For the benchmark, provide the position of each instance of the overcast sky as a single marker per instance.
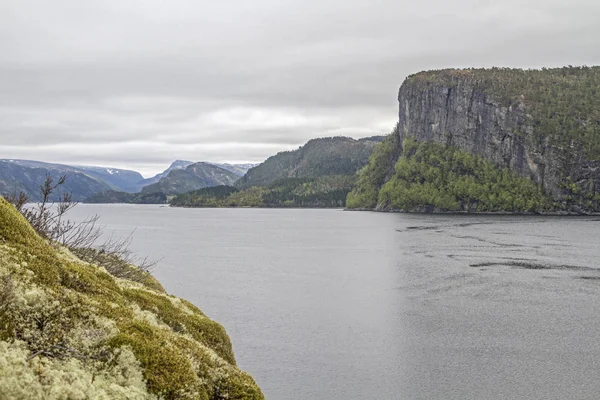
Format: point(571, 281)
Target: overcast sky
point(137, 84)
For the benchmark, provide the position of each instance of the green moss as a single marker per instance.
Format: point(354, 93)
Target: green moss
point(60, 308)
point(168, 372)
point(204, 330)
point(118, 267)
point(16, 232)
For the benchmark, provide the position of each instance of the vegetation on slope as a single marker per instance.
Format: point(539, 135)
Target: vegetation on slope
point(319, 174)
point(327, 191)
point(430, 176)
point(111, 196)
point(563, 103)
point(317, 158)
point(375, 173)
point(68, 329)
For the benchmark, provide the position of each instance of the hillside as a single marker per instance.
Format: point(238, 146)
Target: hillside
point(177, 164)
point(541, 125)
point(111, 196)
point(155, 192)
point(69, 330)
point(15, 178)
point(193, 177)
point(323, 192)
point(238, 169)
point(114, 178)
point(317, 158)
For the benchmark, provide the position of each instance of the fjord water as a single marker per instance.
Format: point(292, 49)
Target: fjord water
point(327, 304)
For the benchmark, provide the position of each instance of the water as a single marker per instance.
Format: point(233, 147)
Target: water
point(327, 304)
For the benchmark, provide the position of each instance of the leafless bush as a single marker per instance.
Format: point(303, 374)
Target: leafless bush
point(49, 220)
point(120, 248)
point(117, 258)
point(18, 200)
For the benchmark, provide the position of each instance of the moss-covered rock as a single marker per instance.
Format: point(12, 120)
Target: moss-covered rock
point(68, 329)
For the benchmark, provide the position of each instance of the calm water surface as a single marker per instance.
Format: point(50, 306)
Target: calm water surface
point(326, 304)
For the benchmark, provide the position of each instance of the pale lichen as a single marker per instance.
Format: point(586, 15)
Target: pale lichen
point(68, 329)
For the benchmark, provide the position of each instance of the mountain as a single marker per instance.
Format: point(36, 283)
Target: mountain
point(114, 178)
point(238, 169)
point(490, 140)
point(193, 177)
point(319, 174)
point(109, 185)
point(118, 179)
point(177, 164)
point(69, 329)
point(317, 158)
point(16, 177)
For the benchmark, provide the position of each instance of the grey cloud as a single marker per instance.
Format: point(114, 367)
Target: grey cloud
point(239, 80)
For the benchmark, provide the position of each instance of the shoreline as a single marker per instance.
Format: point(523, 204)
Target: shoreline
point(392, 211)
point(512, 213)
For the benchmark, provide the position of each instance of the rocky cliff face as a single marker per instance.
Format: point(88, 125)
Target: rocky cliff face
point(460, 110)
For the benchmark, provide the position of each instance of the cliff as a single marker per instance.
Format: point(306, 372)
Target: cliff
point(543, 125)
point(70, 330)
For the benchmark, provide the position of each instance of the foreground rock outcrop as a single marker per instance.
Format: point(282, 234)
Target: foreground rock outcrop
point(69, 330)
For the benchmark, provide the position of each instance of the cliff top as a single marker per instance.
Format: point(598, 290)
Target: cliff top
point(563, 104)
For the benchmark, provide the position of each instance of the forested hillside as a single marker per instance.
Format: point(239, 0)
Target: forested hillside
point(317, 158)
point(323, 192)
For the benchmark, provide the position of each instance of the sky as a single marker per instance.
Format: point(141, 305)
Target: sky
point(139, 83)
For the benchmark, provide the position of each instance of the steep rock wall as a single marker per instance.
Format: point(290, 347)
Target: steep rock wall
point(460, 112)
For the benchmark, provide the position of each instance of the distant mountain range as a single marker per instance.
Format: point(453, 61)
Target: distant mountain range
point(114, 178)
point(15, 178)
point(192, 177)
point(177, 164)
point(319, 174)
point(85, 182)
point(238, 169)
